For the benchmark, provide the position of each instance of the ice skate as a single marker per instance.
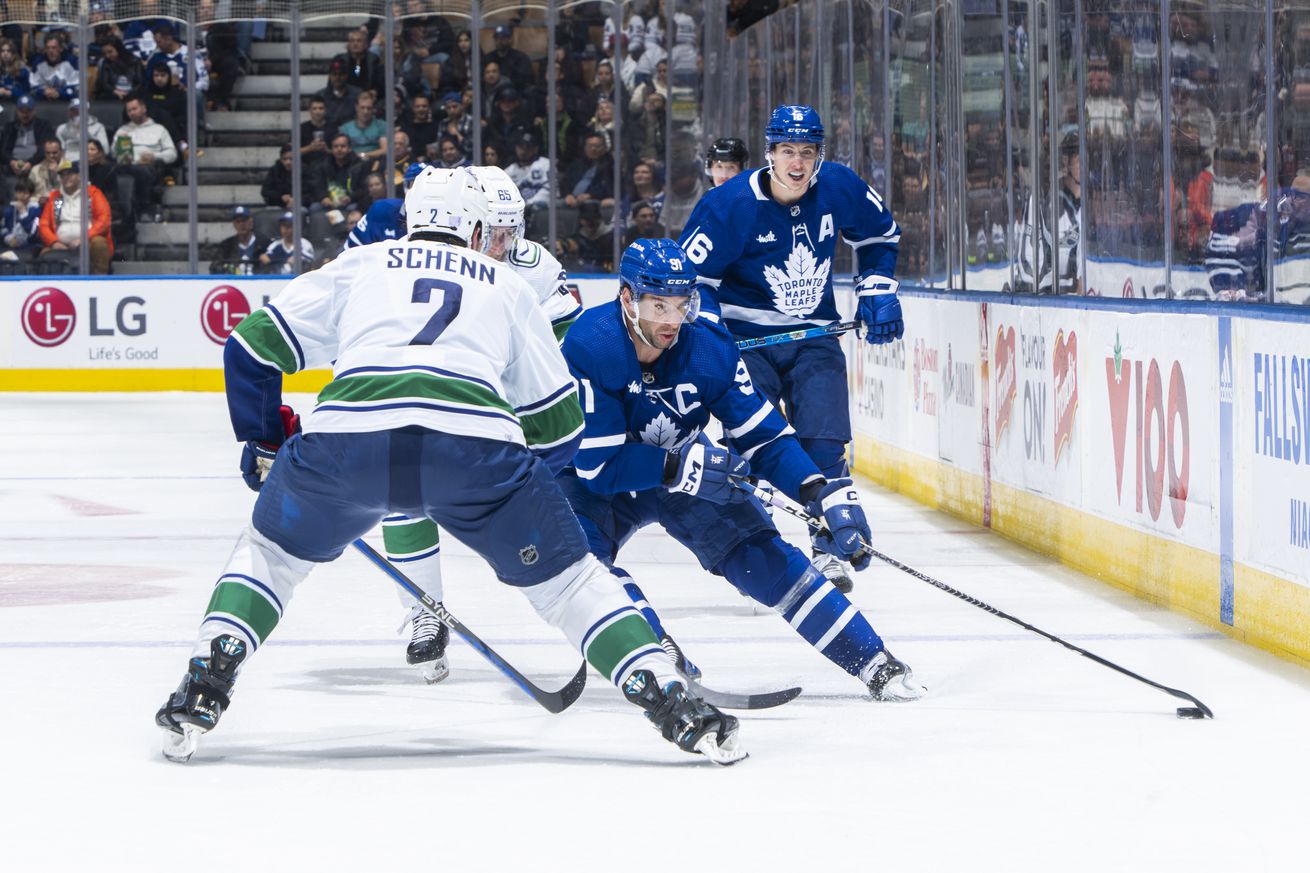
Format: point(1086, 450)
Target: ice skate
point(427, 646)
point(201, 699)
point(890, 680)
point(688, 722)
point(834, 570)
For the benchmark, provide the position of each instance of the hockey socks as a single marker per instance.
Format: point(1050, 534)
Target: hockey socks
point(414, 545)
point(587, 602)
point(828, 621)
point(252, 592)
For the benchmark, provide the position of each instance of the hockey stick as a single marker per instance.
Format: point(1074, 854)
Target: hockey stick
point(555, 701)
point(1199, 710)
point(792, 336)
point(732, 700)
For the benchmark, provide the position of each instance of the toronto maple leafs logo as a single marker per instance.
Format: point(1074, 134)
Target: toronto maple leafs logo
point(798, 289)
point(661, 431)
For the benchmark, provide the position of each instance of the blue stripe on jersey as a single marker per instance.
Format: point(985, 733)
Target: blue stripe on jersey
point(412, 368)
point(290, 334)
point(643, 605)
point(546, 401)
point(380, 407)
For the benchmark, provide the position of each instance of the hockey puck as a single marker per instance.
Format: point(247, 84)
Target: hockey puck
point(1190, 712)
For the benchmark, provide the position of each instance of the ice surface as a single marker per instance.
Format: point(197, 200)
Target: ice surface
point(118, 511)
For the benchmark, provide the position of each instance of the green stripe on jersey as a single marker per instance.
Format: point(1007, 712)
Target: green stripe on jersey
point(561, 328)
point(411, 537)
point(555, 423)
point(248, 604)
point(262, 335)
point(398, 386)
point(617, 642)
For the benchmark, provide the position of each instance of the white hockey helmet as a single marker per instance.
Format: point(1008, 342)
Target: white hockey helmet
point(445, 200)
point(504, 211)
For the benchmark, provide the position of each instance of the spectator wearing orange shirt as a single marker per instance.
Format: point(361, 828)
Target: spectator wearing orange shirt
point(61, 220)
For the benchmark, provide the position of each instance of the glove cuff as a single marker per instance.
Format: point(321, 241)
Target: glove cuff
point(876, 286)
point(672, 466)
point(811, 488)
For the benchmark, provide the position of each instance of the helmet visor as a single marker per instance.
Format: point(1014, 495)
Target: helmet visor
point(662, 309)
point(500, 241)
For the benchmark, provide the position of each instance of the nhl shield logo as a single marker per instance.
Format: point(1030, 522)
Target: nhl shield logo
point(528, 555)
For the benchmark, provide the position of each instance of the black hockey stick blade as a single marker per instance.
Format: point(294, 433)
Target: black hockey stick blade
point(553, 701)
point(731, 700)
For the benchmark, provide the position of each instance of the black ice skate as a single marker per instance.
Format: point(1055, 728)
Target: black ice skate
point(200, 701)
point(833, 569)
point(427, 646)
point(890, 680)
point(687, 722)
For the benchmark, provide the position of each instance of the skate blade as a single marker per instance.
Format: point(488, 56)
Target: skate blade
point(434, 671)
point(179, 747)
point(725, 754)
point(902, 692)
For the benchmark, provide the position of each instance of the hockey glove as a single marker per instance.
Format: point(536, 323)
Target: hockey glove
point(838, 504)
point(257, 456)
point(705, 471)
point(880, 310)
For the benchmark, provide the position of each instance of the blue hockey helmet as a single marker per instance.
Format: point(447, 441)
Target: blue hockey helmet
point(657, 268)
point(794, 124)
point(412, 171)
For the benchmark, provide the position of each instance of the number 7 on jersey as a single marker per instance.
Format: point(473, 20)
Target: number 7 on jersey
point(451, 297)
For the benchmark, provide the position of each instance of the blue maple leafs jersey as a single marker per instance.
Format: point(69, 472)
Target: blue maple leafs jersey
point(769, 266)
point(384, 220)
point(634, 417)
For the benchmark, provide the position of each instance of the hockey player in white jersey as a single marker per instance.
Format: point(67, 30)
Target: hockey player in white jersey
point(415, 543)
point(449, 400)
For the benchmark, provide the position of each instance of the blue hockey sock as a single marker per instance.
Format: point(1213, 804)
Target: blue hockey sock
point(828, 455)
point(639, 600)
point(828, 621)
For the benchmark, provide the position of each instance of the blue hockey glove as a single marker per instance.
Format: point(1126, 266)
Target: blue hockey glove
point(704, 471)
point(838, 504)
point(257, 456)
point(880, 310)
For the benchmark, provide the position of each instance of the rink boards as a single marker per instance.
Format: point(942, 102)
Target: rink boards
point(1163, 451)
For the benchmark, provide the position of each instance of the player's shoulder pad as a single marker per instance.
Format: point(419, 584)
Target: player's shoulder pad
point(596, 345)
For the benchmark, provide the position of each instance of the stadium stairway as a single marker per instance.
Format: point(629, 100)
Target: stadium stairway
point(237, 149)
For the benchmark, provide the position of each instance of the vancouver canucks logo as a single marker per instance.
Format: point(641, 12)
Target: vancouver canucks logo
point(798, 288)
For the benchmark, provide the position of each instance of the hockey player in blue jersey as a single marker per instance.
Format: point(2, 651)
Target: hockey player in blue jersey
point(763, 245)
point(450, 401)
point(385, 219)
point(650, 375)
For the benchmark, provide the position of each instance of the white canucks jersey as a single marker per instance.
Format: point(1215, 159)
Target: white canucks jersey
point(421, 333)
point(546, 277)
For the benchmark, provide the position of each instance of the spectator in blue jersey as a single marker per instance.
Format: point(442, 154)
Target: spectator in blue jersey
point(650, 375)
point(278, 257)
point(20, 238)
point(764, 244)
point(54, 77)
point(15, 78)
point(240, 252)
